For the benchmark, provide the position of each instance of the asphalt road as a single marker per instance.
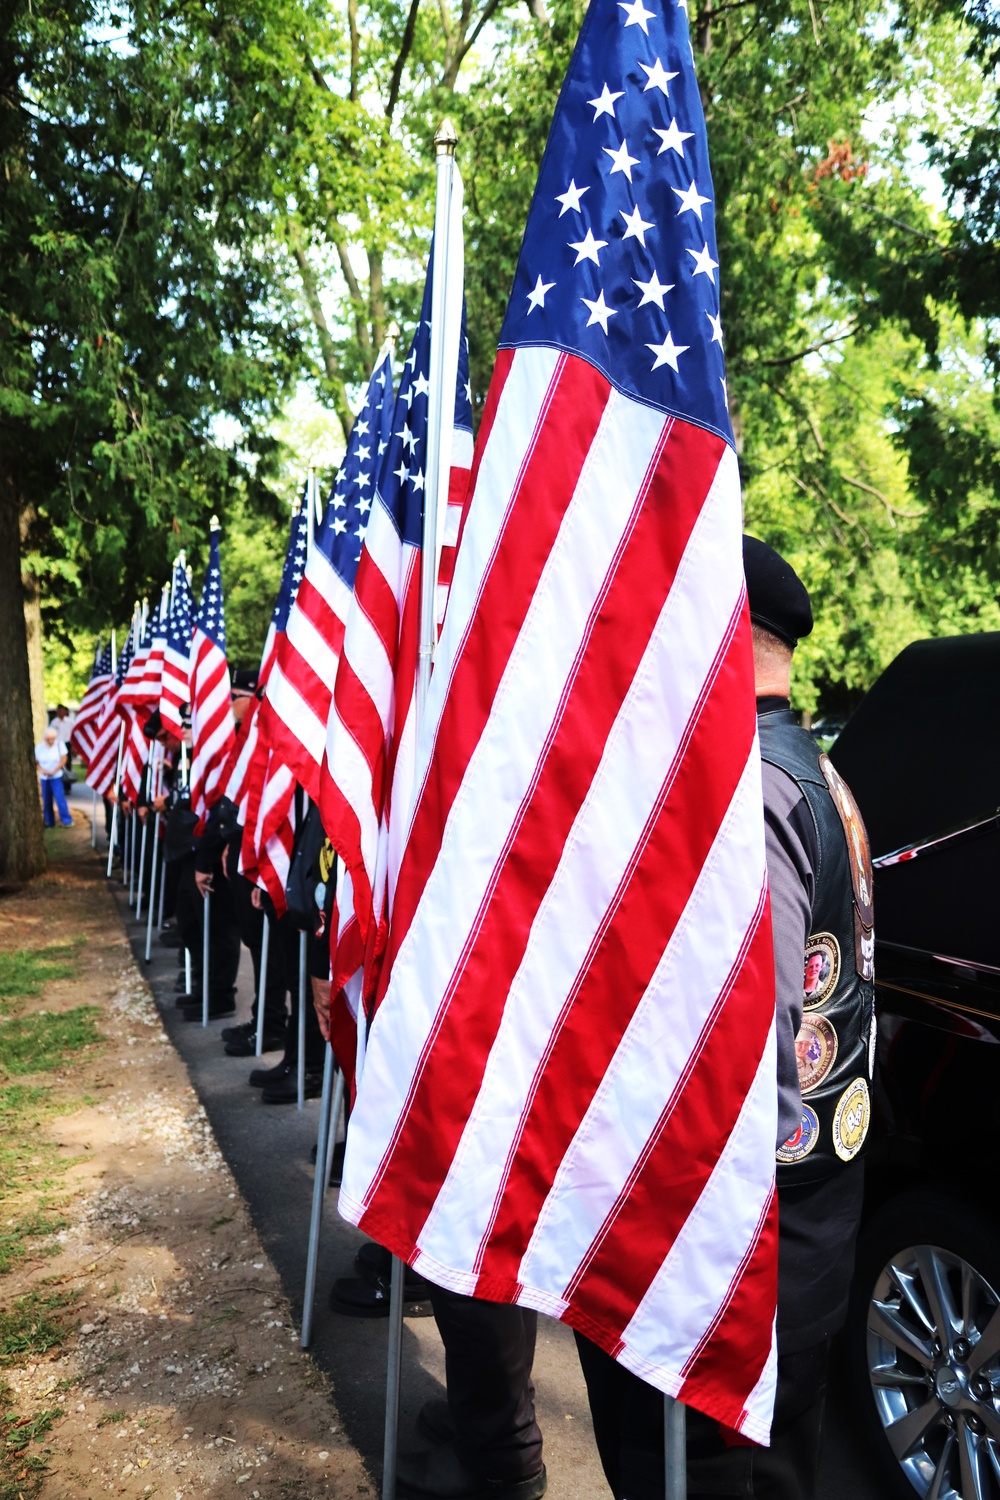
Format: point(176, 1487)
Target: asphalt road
point(268, 1150)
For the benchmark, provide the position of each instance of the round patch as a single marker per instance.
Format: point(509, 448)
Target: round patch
point(851, 1120)
point(822, 969)
point(801, 1143)
point(815, 1051)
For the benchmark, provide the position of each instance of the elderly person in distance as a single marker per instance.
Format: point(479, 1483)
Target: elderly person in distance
point(50, 759)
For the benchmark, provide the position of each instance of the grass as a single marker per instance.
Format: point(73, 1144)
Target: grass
point(25, 971)
point(21, 1470)
point(37, 1043)
point(14, 1236)
point(31, 1326)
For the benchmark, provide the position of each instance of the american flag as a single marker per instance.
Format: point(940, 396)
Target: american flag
point(175, 688)
point(103, 763)
point(247, 771)
point(568, 1098)
point(135, 710)
point(296, 705)
point(367, 787)
point(150, 688)
point(212, 728)
point(92, 706)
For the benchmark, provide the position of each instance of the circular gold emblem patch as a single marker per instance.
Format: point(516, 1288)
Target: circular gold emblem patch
point(822, 969)
point(851, 1119)
point(815, 1051)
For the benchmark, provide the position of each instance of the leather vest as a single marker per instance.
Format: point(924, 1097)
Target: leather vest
point(836, 1045)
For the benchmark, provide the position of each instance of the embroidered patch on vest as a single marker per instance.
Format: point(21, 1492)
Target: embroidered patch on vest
point(815, 1051)
point(804, 1139)
point(851, 1119)
point(861, 866)
point(822, 969)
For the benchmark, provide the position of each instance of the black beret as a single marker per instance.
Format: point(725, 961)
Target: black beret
point(778, 598)
point(245, 679)
point(153, 725)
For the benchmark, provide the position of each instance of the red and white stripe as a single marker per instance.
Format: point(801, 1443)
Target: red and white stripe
point(136, 753)
point(568, 1097)
point(89, 715)
point(213, 731)
point(296, 705)
point(103, 761)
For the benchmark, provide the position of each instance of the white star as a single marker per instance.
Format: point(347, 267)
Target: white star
point(417, 479)
point(691, 200)
point(652, 291)
point(468, 385)
point(410, 362)
point(725, 388)
point(536, 297)
point(360, 533)
point(673, 139)
point(402, 473)
point(570, 199)
point(703, 264)
point(407, 396)
point(364, 506)
point(382, 446)
point(361, 428)
point(716, 321)
point(339, 525)
point(636, 14)
point(409, 438)
point(622, 161)
point(658, 79)
point(599, 311)
point(667, 352)
point(363, 454)
point(421, 385)
point(605, 105)
point(637, 226)
point(587, 248)
point(363, 479)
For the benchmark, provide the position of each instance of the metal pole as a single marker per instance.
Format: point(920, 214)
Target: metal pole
point(300, 1062)
point(319, 1189)
point(440, 410)
point(265, 944)
point(675, 1448)
point(152, 887)
point(142, 870)
point(163, 885)
point(131, 859)
point(392, 1381)
point(93, 821)
point(204, 959)
point(187, 971)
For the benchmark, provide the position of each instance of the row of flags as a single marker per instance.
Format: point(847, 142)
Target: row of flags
point(552, 947)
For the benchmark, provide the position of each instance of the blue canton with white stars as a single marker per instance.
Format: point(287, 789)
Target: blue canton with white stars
point(346, 517)
point(211, 618)
point(619, 261)
point(403, 474)
point(295, 565)
point(125, 656)
point(180, 626)
point(102, 667)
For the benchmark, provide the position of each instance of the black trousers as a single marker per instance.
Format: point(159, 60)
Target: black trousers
point(287, 936)
point(489, 1349)
point(223, 932)
point(628, 1426)
point(251, 924)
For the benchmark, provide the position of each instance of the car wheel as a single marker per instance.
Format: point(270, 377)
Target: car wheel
point(923, 1345)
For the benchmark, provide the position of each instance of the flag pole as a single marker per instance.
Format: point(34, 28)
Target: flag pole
point(439, 415)
point(675, 1448)
point(265, 943)
point(204, 957)
point(319, 1191)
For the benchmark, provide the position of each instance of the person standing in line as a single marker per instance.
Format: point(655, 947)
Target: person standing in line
point(50, 759)
point(819, 873)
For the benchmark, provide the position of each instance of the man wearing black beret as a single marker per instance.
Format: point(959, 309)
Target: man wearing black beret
point(819, 874)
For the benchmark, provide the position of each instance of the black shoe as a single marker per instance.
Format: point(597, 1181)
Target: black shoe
point(336, 1172)
point(246, 1046)
point(262, 1078)
point(187, 998)
point(287, 1090)
point(180, 983)
point(434, 1422)
point(216, 1010)
point(357, 1298)
point(442, 1474)
point(236, 1033)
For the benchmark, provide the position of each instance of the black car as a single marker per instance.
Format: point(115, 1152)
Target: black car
point(922, 756)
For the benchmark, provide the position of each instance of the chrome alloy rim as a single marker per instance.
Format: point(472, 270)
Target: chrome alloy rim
point(934, 1366)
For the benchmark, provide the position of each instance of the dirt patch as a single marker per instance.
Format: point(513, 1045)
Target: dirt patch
point(149, 1348)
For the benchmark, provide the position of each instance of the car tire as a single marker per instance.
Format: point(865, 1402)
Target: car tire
point(923, 1346)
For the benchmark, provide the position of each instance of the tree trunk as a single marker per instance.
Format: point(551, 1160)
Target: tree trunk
point(22, 851)
point(36, 660)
